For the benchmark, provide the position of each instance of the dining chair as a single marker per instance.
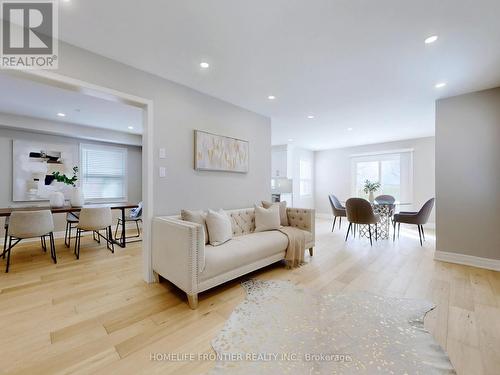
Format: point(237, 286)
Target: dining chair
point(71, 222)
point(30, 224)
point(337, 209)
point(6, 228)
point(94, 220)
point(360, 211)
point(417, 218)
point(134, 216)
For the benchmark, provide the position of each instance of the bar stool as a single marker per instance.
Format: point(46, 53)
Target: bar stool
point(95, 220)
point(30, 224)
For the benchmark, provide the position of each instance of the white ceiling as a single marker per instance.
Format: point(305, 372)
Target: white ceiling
point(351, 63)
point(27, 98)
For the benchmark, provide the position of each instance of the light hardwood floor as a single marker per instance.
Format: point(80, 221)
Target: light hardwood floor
point(96, 315)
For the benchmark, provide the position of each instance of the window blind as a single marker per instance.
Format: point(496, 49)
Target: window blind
point(103, 173)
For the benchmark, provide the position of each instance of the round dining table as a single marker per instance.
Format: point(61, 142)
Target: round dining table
point(385, 210)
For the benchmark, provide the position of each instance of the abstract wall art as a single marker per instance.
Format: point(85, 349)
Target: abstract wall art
point(220, 153)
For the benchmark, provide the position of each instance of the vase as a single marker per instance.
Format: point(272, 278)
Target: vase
point(56, 199)
point(76, 197)
point(370, 197)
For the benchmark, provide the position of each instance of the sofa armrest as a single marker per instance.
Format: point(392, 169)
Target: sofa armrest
point(302, 218)
point(178, 252)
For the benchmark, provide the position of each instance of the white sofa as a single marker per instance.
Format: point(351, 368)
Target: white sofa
point(181, 256)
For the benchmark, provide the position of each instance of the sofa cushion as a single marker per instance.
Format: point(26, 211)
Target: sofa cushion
point(198, 217)
point(267, 218)
point(219, 227)
point(283, 214)
point(242, 250)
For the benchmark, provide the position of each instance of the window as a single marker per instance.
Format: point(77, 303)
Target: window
point(394, 171)
point(305, 177)
point(103, 173)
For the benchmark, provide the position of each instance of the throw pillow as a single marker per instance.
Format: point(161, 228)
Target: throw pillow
point(198, 217)
point(267, 218)
point(219, 227)
point(283, 214)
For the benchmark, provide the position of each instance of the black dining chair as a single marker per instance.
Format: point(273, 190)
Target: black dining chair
point(417, 218)
point(337, 209)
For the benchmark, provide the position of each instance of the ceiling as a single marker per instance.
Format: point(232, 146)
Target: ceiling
point(359, 64)
point(28, 98)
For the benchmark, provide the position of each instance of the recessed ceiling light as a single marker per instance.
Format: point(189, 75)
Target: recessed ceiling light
point(60, 114)
point(271, 97)
point(440, 85)
point(290, 139)
point(349, 129)
point(131, 127)
point(431, 39)
point(204, 65)
point(310, 117)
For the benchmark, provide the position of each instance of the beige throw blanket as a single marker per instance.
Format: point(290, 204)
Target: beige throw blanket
point(294, 256)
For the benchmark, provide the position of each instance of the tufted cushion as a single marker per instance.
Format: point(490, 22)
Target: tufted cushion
point(242, 221)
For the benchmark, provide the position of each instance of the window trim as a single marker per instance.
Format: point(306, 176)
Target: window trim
point(124, 150)
point(310, 180)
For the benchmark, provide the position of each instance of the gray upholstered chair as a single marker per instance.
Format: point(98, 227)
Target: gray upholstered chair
point(337, 209)
point(417, 218)
point(30, 224)
point(360, 211)
point(95, 220)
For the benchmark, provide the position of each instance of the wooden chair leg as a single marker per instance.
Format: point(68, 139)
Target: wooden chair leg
point(193, 301)
point(348, 230)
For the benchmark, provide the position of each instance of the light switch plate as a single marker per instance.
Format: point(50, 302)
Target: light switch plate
point(163, 172)
point(163, 153)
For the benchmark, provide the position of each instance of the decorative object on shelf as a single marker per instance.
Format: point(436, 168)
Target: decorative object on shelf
point(34, 165)
point(76, 199)
point(60, 177)
point(220, 153)
point(370, 188)
point(56, 199)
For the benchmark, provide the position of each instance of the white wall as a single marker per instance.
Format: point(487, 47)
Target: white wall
point(333, 171)
point(177, 111)
point(7, 135)
point(468, 174)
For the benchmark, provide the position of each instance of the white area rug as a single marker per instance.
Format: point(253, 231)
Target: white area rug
point(283, 329)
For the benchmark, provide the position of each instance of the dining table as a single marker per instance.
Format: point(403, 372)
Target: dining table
point(385, 211)
point(122, 206)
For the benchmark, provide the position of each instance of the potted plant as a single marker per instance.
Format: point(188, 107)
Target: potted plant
point(76, 194)
point(370, 188)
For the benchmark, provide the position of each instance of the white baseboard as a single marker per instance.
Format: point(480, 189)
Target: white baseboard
point(468, 260)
